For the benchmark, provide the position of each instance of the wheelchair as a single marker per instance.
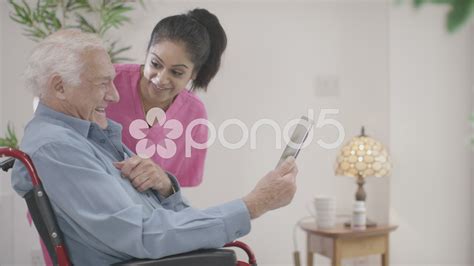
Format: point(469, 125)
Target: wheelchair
point(45, 222)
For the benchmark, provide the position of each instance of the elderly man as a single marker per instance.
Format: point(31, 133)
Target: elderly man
point(98, 188)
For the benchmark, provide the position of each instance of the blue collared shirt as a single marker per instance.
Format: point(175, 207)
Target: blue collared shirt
point(104, 219)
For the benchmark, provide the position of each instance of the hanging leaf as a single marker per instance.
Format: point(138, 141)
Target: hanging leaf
point(459, 11)
point(121, 50)
point(84, 25)
point(73, 5)
point(459, 14)
point(112, 15)
point(116, 59)
point(418, 3)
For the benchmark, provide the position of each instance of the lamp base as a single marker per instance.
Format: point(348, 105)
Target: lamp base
point(368, 223)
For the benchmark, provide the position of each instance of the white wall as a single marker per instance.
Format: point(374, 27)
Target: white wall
point(430, 102)
point(5, 204)
point(18, 238)
point(274, 55)
point(5, 246)
point(472, 145)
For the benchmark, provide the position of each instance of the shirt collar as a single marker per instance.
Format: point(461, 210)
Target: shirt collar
point(80, 125)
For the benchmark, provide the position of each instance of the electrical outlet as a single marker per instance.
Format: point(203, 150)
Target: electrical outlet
point(37, 257)
point(327, 86)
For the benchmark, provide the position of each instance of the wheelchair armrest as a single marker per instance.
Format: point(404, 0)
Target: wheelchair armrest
point(206, 257)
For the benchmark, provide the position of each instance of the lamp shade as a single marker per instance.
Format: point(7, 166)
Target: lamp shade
point(363, 156)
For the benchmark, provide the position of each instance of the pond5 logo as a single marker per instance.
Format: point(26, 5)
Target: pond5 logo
point(159, 128)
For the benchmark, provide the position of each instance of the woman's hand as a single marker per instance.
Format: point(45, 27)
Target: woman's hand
point(145, 174)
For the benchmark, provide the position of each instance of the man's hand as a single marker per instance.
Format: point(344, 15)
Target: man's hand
point(145, 174)
point(276, 189)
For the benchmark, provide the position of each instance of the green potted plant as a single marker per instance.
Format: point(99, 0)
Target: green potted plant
point(10, 139)
point(96, 16)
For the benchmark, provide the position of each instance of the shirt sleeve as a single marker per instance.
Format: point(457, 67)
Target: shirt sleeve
point(174, 201)
point(80, 187)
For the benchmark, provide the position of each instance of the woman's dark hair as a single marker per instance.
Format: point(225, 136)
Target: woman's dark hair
point(204, 39)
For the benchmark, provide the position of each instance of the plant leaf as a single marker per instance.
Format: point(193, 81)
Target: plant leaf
point(10, 140)
point(84, 24)
point(42, 18)
point(418, 3)
point(120, 59)
point(20, 13)
point(73, 5)
point(113, 16)
point(121, 50)
point(460, 11)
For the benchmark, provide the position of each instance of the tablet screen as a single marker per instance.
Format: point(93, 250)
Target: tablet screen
point(297, 139)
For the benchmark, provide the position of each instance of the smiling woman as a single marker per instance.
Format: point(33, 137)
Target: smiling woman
point(166, 72)
point(183, 55)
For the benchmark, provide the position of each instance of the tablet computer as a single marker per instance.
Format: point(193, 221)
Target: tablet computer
point(297, 139)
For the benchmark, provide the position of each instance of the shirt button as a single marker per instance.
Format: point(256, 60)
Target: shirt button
point(238, 234)
point(102, 141)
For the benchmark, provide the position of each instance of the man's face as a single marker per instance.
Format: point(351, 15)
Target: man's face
point(95, 91)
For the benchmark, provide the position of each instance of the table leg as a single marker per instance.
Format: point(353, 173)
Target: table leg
point(309, 251)
point(336, 258)
point(385, 259)
point(309, 258)
point(385, 256)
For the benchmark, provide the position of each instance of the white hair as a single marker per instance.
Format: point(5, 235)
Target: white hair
point(59, 53)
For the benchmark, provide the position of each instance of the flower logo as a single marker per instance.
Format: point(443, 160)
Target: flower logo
point(155, 128)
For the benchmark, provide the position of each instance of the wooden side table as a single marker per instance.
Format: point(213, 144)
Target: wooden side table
point(343, 242)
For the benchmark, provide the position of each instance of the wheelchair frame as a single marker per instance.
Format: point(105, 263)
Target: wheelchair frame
point(46, 224)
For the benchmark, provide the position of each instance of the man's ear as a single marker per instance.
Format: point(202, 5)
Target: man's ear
point(56, 86)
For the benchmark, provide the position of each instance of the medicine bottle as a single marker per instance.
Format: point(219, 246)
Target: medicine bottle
point(359, 216)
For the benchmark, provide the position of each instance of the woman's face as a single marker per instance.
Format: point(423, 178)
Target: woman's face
point(167, 71)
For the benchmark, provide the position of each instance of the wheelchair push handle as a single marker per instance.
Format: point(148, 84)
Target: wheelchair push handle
point(24, 158)
point(246, 248)
point(7, 164)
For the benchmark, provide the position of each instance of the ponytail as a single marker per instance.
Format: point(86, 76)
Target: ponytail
point(218, 43)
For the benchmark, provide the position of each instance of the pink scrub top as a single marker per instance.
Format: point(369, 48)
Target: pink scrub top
point(174, 150)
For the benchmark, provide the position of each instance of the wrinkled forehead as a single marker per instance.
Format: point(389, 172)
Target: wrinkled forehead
point(96, 64)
